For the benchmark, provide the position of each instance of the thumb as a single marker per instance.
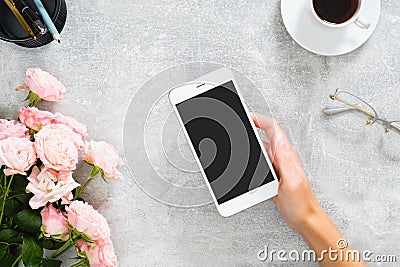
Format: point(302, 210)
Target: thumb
point(285, 159)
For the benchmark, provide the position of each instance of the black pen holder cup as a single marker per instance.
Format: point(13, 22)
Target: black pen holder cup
point(12, 31)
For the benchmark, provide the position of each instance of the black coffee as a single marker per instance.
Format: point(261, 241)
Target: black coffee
point(335, 11)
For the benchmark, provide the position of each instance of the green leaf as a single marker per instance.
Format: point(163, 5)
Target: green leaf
point(47, 243)
point(10, 236)
point(8, 259)
point(3, 250)
point(51, 263)
point(24, 199)
point(57, 245)
point(11, 208)
point(32, 252)
point(19, 183)
point(28, 220)
point(51, 244)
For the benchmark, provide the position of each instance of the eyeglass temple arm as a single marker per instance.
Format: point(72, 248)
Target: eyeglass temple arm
point(395, 124)
point(335, 110)
point(351, 106)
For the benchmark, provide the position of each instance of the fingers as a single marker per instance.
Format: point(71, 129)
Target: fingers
point(265, 123)
point(268, 148)
point(274, 134)
point(286, 162)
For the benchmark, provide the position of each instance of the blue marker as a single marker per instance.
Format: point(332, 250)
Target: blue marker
point(47, 20)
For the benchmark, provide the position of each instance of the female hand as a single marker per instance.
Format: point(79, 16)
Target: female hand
point(296, 200)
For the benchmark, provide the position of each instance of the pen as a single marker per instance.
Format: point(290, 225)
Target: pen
point(47, 20)
point(31, 17)
point(18, 15)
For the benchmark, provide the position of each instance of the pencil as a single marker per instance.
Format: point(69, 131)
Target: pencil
point(18, 15)
point(47, 20)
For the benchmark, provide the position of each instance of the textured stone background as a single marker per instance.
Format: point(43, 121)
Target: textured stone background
point(110, 48)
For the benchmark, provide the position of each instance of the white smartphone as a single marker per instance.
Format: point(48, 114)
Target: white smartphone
point(224, 141)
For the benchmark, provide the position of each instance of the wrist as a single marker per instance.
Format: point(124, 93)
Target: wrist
point(316, 219)
point(319, 231)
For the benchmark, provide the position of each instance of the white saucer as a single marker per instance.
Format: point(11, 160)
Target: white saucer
point(312, 35)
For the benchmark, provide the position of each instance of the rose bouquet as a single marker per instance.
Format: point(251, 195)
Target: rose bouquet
point(41, 205)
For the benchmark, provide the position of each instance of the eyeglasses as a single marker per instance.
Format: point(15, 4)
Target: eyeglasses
point(353, 102)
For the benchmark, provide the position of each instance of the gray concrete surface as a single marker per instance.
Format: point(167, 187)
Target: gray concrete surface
point(110, 48)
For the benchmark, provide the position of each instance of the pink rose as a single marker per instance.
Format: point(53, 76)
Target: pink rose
point(76, 126)
point(54, 223)
point(82, 245)
point(17, 154)
point(102, 255)
point(85, 219)
point(47, 187)
point(12, 129)
point(43, 84)
point(104, 156)
point(35, 118)
point(58, 147)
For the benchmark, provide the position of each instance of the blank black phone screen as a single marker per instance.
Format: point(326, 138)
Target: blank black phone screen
point(224, 141)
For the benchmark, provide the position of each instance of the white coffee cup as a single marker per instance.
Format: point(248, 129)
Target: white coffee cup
point(357, 19)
